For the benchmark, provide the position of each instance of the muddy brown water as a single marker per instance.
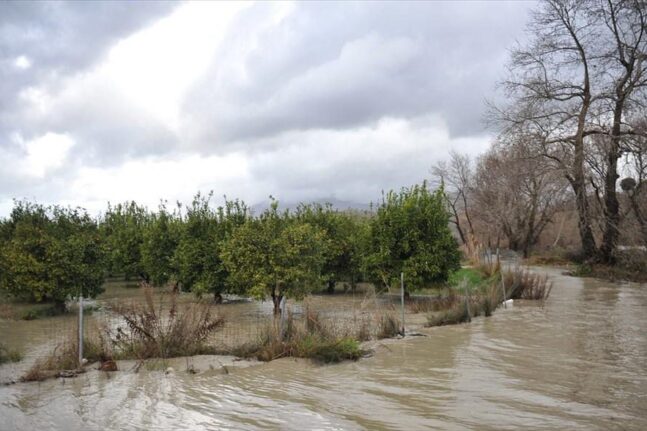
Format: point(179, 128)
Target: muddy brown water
point(579, 362)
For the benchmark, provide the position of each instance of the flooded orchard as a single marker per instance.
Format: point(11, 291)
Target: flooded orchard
point(578, 362)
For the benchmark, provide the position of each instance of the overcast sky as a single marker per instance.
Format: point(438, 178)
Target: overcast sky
point(141, 101)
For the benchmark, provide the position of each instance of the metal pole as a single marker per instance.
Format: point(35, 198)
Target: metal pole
point(402, 299)
point(283, 317)
point(503, 287)
point(467, 301)
point(81, 330)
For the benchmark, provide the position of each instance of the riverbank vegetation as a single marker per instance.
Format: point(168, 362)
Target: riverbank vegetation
point(567, 169)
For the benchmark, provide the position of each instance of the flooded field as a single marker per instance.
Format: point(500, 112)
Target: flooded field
point(579, 362)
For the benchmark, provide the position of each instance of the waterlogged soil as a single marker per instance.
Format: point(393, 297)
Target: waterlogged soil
point(578, 362)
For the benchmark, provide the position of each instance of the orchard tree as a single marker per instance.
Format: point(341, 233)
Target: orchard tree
point(410, 234)
point(123, 231)
point(50, 254)
point(160, 239)
point(203, 231)
point(341, 250)
point(275, 256)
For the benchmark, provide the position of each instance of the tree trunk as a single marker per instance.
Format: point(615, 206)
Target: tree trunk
point(217, 297)
point(611, 209)
point(611, 206)
point(639, 218)
point(578, 180)
point(276, 300)
point(59, 307)
point(584, 220)
point(331, 287)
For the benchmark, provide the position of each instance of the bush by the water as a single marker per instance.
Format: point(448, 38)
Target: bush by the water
point(9, 355)
point(311, 338)
point(522, 284)
point(163, 330)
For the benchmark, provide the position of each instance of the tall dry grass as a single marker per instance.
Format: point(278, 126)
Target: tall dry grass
point(163, 330)
point(522, 284)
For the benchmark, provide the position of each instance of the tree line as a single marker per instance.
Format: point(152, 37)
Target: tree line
point(572, 133)
point(51, 253)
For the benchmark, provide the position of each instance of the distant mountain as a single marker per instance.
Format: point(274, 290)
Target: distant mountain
point(336, 203)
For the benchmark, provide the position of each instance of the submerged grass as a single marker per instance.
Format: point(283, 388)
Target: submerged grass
point(522, 284)
point(9, 355)
point(64, 358)
point(310, 338)
point(388, 326)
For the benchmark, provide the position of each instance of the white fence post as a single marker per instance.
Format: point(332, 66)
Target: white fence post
point(81, 330)
point(402, 299)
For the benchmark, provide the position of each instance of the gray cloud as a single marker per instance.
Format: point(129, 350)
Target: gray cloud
point(339, 66)
point(334, 99)
point(58, 39)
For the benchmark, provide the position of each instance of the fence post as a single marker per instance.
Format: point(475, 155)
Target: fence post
point(402, 299)
point(81, 330)
point(505, 305)
point(283, 316)
point(467, 300)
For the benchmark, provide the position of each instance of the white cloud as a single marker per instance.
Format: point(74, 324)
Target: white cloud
point(45, 153)
point(148, 180)
point(155, 66)
point(22, 62)
point(352, 165)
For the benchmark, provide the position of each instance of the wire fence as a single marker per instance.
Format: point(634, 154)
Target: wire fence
point(245, 321)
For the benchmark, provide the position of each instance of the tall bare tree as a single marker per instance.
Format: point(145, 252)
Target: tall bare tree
point(625, 64)
point(456, 176)
point(582, 75)
point(517, 192)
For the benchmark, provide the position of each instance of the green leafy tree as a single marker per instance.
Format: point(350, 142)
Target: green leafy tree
point(50, 254)
point(160, 239)
point(197, 257)
point(342, 245)
point(274, 256)
point(123, 231)
point(410, 234)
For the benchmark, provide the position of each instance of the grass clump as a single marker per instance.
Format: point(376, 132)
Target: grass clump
point(458, 313)
point(9, 355)
point(439, 302)
point(482, 301)
point(311, 338)
point(522, 284)
point(165, 331)
point(64, 358)
point(327, 350)
point(472, 276)
point(388, 326)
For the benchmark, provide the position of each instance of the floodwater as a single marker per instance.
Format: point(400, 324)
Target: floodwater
point(579, 362)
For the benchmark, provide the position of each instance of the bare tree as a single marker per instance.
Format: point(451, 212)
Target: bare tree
point(635, 183)
point(456, 176)
point(582, 75)
point(518, 192)
point(625, 64)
